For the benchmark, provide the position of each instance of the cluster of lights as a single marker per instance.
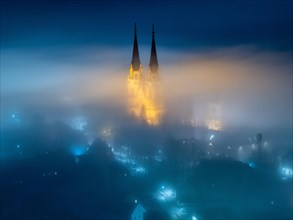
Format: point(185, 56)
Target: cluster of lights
point(211, 150)
point(178, 212)
point(166, 194)
point(182, 212)
point(139, 170)
point(124, 157)
point(214, 125)
point(159, 156)
point(107, 132)
point(211, 139)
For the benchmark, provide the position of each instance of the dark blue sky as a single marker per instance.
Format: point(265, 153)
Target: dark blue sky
point(180, 24)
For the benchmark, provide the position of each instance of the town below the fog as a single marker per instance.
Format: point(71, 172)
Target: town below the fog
point(146, 110)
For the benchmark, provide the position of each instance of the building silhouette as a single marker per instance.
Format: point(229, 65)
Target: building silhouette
point(144, 91)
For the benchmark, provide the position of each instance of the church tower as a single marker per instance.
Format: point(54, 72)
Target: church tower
point(135, 82)
point(135, 66)
point(144, 95)
point(153, 99)
point(153, 71)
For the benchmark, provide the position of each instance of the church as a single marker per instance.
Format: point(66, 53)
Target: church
point(144, 90)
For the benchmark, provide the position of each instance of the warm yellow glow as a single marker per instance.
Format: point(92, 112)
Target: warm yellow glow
point(214, 125)
point(213, 121)
point(144, 100)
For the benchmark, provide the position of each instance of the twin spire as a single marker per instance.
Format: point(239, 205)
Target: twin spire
point(135, 54)
point(153, 65)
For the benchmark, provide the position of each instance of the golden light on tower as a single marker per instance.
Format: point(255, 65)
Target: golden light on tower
point(144, 100)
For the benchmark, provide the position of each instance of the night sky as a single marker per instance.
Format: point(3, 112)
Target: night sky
point(186, 25)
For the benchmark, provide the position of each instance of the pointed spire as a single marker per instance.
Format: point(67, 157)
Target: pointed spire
point(154, 65)
point(135, 54)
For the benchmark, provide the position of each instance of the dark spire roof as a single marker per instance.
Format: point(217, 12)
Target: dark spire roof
point(135, 54)
point(154, 59)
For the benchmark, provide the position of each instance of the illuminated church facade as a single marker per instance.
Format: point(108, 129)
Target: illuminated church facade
point(145, 101)
point(144, 90)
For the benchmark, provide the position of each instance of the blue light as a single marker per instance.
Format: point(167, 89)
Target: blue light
point(287, 172)
point(78, 150)
point(251, 164)
point(14, 118)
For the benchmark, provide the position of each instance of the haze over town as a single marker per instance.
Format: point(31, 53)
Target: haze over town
point(205, 133)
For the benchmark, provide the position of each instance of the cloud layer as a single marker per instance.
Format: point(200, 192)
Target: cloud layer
point(254, 88)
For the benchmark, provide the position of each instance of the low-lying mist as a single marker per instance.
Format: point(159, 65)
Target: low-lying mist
point(253, 88)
